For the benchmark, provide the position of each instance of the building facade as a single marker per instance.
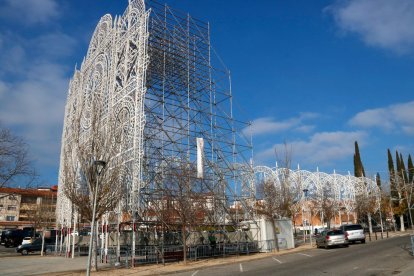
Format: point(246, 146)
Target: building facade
point(27, 207)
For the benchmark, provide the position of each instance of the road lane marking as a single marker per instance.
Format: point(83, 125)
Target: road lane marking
point(194, 273)
point(304, 254)
point(241, 268)
point(277, 260)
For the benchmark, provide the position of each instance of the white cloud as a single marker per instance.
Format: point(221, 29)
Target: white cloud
point(322, 148)
point(382, 23)
point(35, 106)
point(394, 117)
point(305, 128)
point(33, 87)
point(29, 12)
point(268, 125)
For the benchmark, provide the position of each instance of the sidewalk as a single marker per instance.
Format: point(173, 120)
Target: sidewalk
point(159, 269)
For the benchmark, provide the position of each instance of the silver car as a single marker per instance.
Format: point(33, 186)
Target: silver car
point(353, 232)
point(330, 238)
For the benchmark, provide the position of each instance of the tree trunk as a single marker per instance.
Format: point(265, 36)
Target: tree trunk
point(272, 220)
point(118, 245)
point(94, 257)
point(183, 232)
point(402, 228)
point(43, 242)
point(370, 223)
point(323, 221)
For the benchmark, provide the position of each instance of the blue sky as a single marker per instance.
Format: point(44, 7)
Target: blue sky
point(316, 74)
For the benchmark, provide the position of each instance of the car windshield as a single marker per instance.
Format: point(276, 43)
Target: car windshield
point(37, 241)
point(335, 233)
point(353, 227)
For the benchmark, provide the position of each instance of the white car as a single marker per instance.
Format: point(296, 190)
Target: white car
point(27, 240)
point(353, 232)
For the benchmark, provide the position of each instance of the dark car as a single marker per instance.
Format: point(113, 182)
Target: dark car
point(35, 246)
point(4, 234)
point(14, 237)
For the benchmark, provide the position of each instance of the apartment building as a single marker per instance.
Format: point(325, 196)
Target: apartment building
point(20, 207)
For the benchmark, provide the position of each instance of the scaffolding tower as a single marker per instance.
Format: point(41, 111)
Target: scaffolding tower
point(171, 95)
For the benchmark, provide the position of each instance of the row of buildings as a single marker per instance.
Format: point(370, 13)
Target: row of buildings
point(23, 207)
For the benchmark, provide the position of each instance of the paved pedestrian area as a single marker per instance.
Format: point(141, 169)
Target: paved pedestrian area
point(37, 265)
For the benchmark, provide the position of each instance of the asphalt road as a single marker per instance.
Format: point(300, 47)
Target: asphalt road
point(7, 251)
point(385, 257)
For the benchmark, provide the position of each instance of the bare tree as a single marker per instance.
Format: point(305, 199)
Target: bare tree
point(270, 204)
point(186, 200)
point(43, 216)
point(290, 188)
point(326, 205)
point(398, 200)
point(365, 205)
point(14, 159)
point(101, 139)
point(279, 197)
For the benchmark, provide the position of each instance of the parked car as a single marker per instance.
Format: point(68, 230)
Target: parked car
point(353, 232)
point(4, 234)
point(35, 246)
point(13, 237)
point(329, 238)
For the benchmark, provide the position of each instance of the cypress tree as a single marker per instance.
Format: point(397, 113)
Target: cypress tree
point(358, 167)
point(397, 161)
point(378, 179)
point(399, 185)
point(410, 169)
point(391, 170)
point(403, 169)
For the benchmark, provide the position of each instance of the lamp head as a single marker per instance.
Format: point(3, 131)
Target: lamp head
point(100, 165)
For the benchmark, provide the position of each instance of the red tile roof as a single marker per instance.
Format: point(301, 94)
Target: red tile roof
point(28, 192)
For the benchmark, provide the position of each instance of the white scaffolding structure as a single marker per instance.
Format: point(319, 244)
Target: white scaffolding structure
point(341, 190)
point(160, 78)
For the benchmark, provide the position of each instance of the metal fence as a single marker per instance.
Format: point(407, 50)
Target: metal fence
point(159, 253)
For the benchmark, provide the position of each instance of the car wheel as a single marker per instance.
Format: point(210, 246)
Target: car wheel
point(326, 246)
point(363, 241)
point(25, 252)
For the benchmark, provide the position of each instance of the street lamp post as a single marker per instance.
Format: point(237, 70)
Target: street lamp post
point(100, 165)
point(305, 193)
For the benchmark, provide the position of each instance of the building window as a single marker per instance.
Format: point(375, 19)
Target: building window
point(11, 197)
point(9, 218)
point(11, 208)
point(1, 206)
